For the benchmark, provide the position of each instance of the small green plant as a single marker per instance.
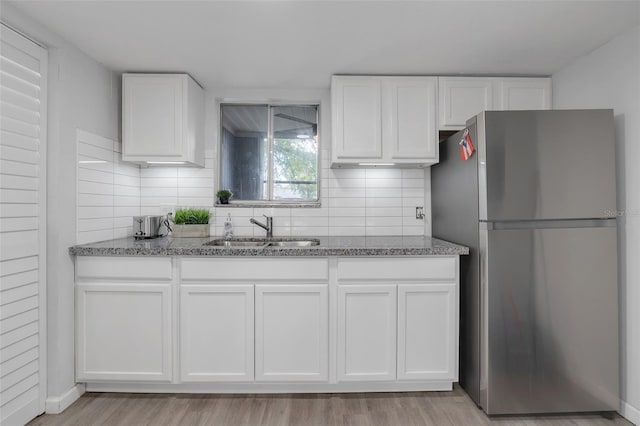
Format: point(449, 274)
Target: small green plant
point(191, 217)
point(224, 195)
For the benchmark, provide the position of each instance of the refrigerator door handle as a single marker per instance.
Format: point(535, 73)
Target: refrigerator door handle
point(548, 224)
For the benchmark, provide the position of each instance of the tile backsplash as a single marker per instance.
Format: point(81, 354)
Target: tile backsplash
point(362, 202)
point(107, 190)
point(352, 201)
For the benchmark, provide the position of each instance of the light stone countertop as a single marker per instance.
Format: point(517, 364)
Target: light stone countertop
point(329, 246)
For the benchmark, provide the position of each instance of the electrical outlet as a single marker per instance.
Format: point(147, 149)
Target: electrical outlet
point(419, 213)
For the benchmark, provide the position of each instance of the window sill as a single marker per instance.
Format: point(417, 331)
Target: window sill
point(276, 204)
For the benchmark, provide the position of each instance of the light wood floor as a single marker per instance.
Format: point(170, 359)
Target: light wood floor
point(388, 409)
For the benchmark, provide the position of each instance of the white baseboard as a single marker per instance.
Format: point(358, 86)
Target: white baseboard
point(630, 412)
point(57, 404)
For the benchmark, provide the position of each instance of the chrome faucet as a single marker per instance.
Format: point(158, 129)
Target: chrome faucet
point(268, 227)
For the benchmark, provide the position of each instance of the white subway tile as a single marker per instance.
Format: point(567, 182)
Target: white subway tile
point(412, 192)
point(383, 174)
point(94, 236)
point(384, 202)
point(309, 231)
point(95, 153)
point(347, 211)
point(95, 212)
point(95, 224)
point(124, 200)
point(384, 211)
point(413, 183)
point(384, 221)
point(307, 221)
point(196, 201)
point(346, 221)
point(356, 231)
point(346, 202)
point(346, 193)
point(346, 173)
point(94, 200)
point(383, 230)
point(157, 201)
point(95, 188)
point(89, 175)
point(158, 172)
point(383, 192)
point(309, 212)
point(126, 180)
point(413, 230)
point(195, 182)
point(126, 211)
point(132, 191)
point(413, 173)
point(346, 183)
point(413, 202)
point(158, 182)
point(384, 183)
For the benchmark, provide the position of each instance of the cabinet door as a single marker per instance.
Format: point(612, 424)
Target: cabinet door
point(524, 93)
point(356, 118)
point(409, 119)
point(152, 116)
point(427, 332)
point(461, 98)
point(216, 333)
point(123, 332)
point(366, 332)
point(292, 326)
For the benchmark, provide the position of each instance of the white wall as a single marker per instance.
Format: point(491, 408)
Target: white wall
point(609, 77)
point(82, 94)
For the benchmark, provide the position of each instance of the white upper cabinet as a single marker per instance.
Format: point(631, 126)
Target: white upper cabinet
point(162, 119)
point(460, 98)
point(356, 117)
point(409, 118)
point(523, 93)
point(381, 120)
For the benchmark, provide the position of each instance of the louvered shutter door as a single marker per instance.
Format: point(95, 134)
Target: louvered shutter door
point(22, 228)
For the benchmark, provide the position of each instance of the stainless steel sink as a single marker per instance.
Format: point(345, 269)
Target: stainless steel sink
point(236, 243)
point(295, 243)
point(264, 242)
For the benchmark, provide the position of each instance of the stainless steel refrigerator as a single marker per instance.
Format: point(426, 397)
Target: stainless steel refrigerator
point(536, 205)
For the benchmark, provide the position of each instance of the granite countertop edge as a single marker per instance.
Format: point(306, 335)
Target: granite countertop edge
point(329, 246)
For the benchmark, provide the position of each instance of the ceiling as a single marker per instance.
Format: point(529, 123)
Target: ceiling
point(300, 44)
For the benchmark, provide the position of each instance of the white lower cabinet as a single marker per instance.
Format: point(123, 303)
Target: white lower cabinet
point(292, 332)
point(427, 332)
point(123, 332)
point(267, 325)
point(366, 332)
point(216, 333)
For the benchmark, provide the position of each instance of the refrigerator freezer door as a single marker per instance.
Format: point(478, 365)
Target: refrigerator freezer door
point(549, 320)
point(546, 164)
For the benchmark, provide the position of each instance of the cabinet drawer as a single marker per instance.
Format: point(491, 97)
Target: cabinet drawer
point(397, 269)
point(109, 267)
point(243, 269)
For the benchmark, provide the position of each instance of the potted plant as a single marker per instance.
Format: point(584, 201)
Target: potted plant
point(191, 222)
point(224, 195)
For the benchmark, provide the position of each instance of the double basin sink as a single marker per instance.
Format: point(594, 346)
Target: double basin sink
point(263, 242)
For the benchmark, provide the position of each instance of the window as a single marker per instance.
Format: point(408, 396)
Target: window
point(269, 153)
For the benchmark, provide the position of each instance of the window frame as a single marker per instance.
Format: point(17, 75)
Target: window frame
point(269, 203)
